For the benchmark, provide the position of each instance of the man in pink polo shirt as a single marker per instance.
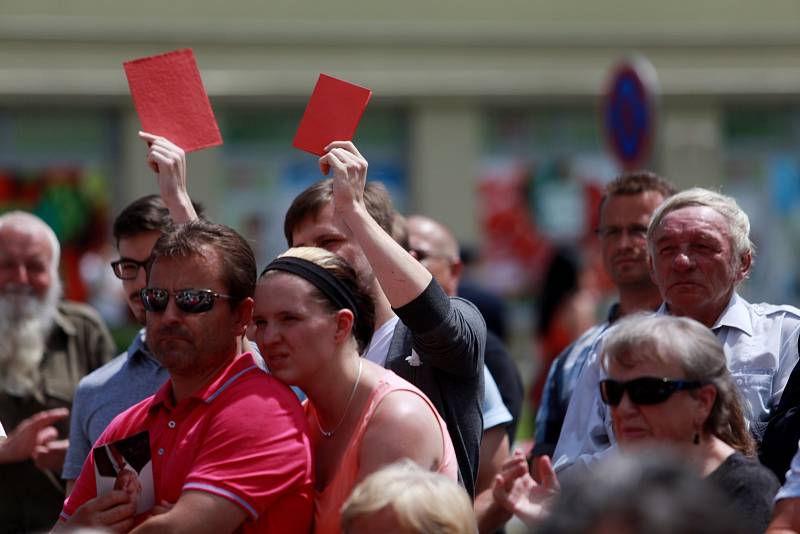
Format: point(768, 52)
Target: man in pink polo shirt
point(229, 446)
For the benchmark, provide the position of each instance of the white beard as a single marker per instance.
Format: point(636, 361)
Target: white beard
point(25, 323)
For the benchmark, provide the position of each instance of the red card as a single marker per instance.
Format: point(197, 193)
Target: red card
point(171, 101)
point(332, 114)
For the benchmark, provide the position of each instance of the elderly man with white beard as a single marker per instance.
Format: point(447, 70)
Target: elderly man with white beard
point(46, 346)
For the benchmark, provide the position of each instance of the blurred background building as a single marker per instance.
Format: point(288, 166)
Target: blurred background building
point(484, 115)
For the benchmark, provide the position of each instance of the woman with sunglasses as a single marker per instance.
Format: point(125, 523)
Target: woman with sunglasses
point(312, 320)
point(668, 384)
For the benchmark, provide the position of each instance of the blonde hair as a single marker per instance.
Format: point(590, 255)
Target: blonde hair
point(423, 502)
point(338, 268)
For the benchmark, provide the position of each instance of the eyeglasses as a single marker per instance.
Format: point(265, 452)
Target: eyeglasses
point(155, 299)
point(634, 231)
point(645, 390)
point(126, 268)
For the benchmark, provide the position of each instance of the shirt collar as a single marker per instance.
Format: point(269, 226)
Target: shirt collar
point(138, 347)
point(64, 323)
point(735, 315)
point(240, 366)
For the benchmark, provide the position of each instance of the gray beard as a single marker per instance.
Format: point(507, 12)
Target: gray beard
point(25, 323)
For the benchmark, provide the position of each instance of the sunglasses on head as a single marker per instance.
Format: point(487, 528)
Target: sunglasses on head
point(645, 390)
point(156, 299)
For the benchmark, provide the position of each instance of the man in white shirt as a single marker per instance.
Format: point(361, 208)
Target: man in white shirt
point(700, 251)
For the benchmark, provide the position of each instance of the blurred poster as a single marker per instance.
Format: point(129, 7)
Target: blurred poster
point(540, 186)
point(57, 164)
point(265, 173)
point(762, 171)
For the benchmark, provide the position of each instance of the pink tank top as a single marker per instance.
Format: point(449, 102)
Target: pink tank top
point(328, 502)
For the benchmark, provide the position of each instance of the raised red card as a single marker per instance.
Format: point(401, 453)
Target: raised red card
point(171, 101)
point(332, 114)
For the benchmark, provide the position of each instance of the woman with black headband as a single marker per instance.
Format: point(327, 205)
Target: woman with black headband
point(312, 321)
point(668, 384)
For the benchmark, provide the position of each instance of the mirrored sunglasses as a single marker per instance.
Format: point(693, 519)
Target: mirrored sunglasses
point(156, 299)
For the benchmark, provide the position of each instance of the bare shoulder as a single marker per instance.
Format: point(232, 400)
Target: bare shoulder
point(403, 426)
point(401, 403)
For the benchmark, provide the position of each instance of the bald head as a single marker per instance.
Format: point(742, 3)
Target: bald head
point(435, 246)
point(29, 295)
point(25, 223)
point(29, 253)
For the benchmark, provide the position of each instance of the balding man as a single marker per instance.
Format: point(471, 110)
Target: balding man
point(699, 252)
point(46, 346)
point(435, 246)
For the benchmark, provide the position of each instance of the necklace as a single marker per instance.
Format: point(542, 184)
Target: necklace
point(329, 433)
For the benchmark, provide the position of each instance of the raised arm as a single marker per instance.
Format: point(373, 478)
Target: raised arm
point(168, 161)
point(401, 277)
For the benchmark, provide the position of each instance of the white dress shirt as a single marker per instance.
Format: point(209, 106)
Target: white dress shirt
point(791, 488)
point(760, 344)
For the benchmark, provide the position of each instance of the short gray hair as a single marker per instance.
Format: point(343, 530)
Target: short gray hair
point(645, 337)
point(30, 223)
point(738, 222)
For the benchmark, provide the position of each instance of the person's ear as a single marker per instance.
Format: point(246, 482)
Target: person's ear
point(243, 315)
point(456, 268)
point(705, 397)
point(345, 321)
point(745, 262)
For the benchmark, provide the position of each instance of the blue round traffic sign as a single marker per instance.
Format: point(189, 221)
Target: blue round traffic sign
point(629, 112)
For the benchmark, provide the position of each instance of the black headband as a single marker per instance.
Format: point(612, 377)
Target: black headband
point(319, 277)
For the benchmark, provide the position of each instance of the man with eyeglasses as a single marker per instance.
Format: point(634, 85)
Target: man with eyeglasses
point(625, 210)
point(230, 444)
point(135, 374)
point(699, 252)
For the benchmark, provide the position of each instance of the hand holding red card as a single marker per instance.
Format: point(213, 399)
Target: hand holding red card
point(171, 101)
point(332, 114)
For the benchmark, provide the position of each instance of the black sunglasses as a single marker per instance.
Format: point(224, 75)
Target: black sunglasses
point(645, 390)
point(126, 268)
point(156, 299)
